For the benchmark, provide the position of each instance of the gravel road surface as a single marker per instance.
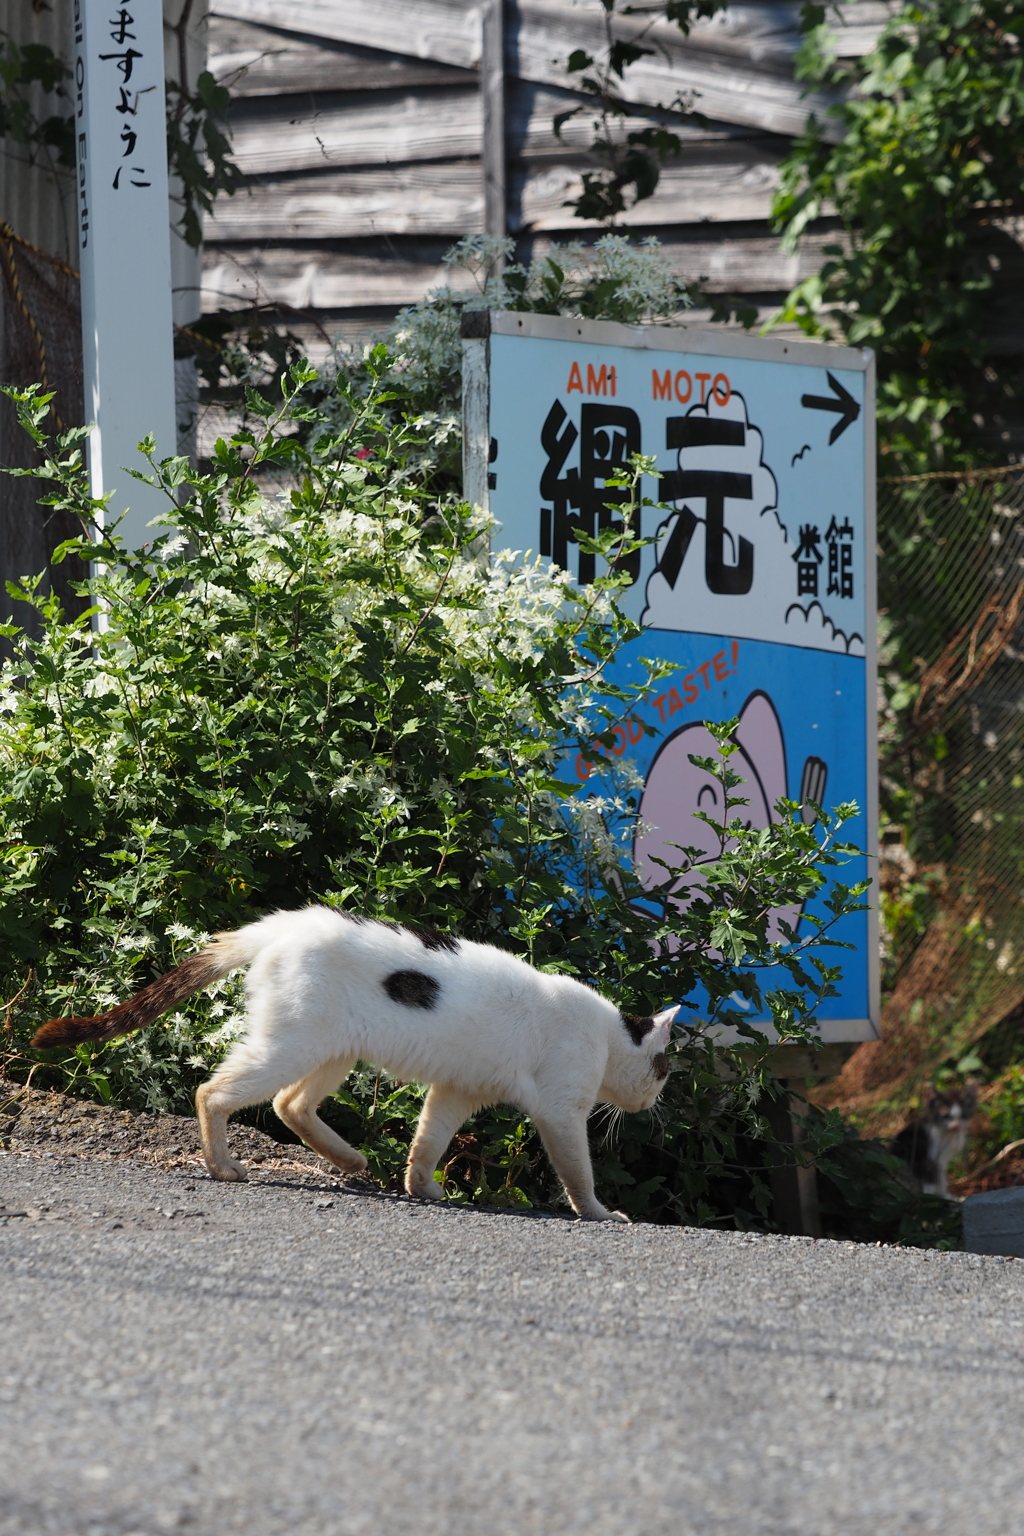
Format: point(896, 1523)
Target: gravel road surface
point(286, 1358)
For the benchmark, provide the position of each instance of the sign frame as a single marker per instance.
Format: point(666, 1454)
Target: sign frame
point(478, 326)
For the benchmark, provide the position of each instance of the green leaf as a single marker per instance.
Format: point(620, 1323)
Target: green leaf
point(258, 403)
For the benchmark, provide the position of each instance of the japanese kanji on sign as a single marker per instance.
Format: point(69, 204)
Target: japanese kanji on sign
point(759, 584)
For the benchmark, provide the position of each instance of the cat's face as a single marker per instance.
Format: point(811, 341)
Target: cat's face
point(952, 1109)
point(641, 1065)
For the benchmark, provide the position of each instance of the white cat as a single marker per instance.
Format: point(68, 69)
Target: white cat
point(479, 1025)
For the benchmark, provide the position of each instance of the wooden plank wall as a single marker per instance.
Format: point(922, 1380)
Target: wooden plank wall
point(360, 126)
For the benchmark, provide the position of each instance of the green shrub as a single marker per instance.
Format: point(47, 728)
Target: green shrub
point(331, 695)
point(867, 1195)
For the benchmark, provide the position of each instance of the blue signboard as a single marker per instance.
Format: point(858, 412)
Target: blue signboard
point(759, 585)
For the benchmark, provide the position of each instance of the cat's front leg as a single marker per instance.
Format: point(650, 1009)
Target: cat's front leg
point(565, 1141)
point(444, 1110)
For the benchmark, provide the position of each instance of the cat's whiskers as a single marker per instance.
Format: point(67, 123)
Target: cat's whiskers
point(602, 1115)
point(608, 1118)
point(608, 1121)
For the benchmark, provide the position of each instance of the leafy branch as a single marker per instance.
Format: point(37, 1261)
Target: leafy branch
point(21, 66)
point(198, 141)
point(630, 163)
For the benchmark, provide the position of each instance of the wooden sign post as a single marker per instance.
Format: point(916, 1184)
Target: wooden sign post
point(124, 250)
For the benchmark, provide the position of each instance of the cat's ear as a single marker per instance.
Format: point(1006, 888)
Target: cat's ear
point(663, 1020)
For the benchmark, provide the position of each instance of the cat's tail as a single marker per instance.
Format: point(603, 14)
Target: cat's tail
point(221, 955)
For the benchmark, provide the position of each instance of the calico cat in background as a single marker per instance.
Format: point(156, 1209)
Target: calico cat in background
point(929, 1143)
point(480, 1026)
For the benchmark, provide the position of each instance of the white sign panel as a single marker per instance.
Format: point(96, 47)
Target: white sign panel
point(124, 250)
point(759, 585)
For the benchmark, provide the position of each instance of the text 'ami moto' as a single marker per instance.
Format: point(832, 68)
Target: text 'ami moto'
point(679, 385)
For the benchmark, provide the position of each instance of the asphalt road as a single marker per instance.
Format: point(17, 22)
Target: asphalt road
point(182, 1356)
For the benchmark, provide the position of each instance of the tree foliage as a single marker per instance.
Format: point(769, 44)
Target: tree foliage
point(330, 695)
point(930, 161)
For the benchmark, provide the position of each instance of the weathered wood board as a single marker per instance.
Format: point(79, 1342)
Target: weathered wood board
point(428, 199)
point(382, 127)
point(319, 278)
point(444, 31)
point(445, 198)
point(378, 128)
point(360, 125)
point(329, 278)
point(267, 61)
point(709, 183)
point(740, 62)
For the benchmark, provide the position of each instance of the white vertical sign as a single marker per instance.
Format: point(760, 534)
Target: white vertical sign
point(124, 250)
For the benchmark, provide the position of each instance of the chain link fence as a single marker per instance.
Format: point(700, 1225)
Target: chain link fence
point(40, 343)
point(951, 720)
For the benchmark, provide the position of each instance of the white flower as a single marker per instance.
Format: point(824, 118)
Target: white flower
point(227, 1032)
point(129, 942)
point(294, 831)
point(175, 543)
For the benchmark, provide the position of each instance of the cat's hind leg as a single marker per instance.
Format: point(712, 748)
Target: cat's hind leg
point(565, 1141)
point(443, 1112)
point(297, 1106)
point(215, 1101)
point(252, 1072)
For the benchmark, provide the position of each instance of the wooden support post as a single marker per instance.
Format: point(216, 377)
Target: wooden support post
point(492, 94)
point(476, 384)
point(795, 1188)
point(186, 24)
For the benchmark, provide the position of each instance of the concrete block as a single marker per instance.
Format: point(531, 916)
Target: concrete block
point(994, 1221)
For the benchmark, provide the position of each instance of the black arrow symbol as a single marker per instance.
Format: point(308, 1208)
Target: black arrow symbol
point(843, 403)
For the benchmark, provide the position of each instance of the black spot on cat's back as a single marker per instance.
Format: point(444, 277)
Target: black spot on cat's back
point(431, 939)
point(637, 1027)
point(412, 988)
